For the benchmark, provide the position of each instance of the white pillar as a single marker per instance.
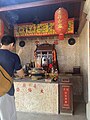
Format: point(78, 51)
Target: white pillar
point(87, 11)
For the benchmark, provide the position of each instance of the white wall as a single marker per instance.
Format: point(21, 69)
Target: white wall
point(84, 57)
point(67, 55)
point(88, 103)
point(89, 68)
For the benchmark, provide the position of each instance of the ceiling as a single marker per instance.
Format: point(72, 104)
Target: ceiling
point(26, 11)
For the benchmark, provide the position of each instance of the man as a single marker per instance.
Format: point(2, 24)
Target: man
point(11, 63)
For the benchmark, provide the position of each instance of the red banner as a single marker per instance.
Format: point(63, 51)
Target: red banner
point(66, 97)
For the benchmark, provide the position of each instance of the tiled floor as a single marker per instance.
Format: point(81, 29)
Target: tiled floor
point(79, 114)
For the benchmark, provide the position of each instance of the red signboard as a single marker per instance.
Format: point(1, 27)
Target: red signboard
point(42, 29)
point(66, 97)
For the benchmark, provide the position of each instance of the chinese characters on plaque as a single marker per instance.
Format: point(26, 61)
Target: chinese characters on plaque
point(42, 29)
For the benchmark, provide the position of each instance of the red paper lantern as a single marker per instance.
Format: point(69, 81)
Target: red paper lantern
point(61, 22)
point(1, 28)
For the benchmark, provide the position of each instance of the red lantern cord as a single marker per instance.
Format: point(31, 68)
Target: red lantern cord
point(61, 37)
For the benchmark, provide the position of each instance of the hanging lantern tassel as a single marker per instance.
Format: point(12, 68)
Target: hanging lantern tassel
point(61, 22)
point(61, 37)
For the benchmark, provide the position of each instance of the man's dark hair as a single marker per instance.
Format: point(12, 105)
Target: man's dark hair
point(7, 39)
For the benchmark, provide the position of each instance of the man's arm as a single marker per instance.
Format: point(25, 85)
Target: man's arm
point(20, 73)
